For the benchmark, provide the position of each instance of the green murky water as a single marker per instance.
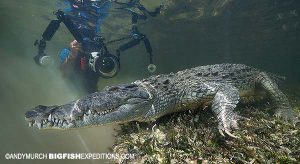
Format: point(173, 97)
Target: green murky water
point(261, 33)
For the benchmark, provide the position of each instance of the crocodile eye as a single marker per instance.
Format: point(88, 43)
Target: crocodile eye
point(131, 86)
point(135, 100)
point(166, 82)
point(144, 95)
point(114, 88)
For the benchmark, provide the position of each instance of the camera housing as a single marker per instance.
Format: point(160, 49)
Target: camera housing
point(105, 65)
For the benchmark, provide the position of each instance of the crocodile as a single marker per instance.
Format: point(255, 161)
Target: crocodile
point(221, 86)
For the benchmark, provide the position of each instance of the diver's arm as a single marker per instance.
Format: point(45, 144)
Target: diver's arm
point(67, 67)
point(75, 48)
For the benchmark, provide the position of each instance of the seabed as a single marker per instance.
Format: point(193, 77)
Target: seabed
point(193, 137)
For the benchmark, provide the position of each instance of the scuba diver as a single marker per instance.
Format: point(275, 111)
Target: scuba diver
point(67, 57)
point(87, 58)
point(73, 68)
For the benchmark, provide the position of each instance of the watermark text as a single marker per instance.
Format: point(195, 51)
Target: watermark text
point(69, 156)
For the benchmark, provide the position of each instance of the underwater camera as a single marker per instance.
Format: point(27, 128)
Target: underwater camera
point(105, 65)
point(94, 52)
point(94, 56)
point(99, 60)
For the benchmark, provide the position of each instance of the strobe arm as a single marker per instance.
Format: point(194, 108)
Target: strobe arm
point(148, 48)
point(70, 25)
point(47, 36)
point(151, 13)
point(41, 48)
point(51, 30)
point(49, 33)
point(136, 38)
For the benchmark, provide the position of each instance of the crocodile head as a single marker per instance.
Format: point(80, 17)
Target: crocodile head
point(117, 104)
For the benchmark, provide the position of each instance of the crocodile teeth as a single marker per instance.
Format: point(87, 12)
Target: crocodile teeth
point(65, 123)
point(50, 117)
point(89, 112)
point(39, 125)
point(45, 121)
point(30, 124)
point(68, 121)
point(72, 124)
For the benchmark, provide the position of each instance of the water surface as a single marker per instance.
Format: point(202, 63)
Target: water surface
point(261, 33)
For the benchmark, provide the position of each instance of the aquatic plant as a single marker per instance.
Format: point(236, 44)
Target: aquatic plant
point(192, 137)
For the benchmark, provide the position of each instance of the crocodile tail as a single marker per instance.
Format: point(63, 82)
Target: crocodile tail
point(277, 78)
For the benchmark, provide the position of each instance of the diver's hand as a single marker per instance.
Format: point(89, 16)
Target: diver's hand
point(75, 48)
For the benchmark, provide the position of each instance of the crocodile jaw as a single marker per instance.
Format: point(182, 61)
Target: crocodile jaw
point(115, 105)
point(121, 114)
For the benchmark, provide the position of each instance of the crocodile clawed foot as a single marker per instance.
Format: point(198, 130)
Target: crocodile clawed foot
point(227, 131)
point(229, 125)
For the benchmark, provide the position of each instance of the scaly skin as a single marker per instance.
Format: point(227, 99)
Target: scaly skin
point(222, 86)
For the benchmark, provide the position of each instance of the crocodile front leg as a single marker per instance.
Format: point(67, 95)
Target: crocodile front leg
point(224, 102)
point(284, 108)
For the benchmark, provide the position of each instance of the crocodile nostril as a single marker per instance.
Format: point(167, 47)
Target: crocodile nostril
point(30, 114)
